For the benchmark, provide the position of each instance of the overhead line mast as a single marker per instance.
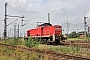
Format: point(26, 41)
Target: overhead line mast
point(5, 22)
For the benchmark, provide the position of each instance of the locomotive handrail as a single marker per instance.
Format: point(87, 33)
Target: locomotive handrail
point(37, 36)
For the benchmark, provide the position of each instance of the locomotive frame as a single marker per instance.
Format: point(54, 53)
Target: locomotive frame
point(46, 33)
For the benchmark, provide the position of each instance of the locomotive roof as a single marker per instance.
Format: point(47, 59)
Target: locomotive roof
point(46, 24)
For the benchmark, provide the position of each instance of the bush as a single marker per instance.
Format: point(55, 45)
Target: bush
point(32, 43)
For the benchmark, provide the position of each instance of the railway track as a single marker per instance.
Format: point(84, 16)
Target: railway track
point(52, 55)
point(81, 44)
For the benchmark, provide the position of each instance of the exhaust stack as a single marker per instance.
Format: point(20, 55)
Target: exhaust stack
point(48, 17)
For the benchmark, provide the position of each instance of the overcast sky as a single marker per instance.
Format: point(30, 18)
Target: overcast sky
point(60, 11)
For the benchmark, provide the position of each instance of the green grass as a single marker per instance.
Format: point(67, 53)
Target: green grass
point(64, 49)
point(69, 50)
point(32, 43)
point(17, 41)
point(75, 39)
point(10, 54)
point(78, 38)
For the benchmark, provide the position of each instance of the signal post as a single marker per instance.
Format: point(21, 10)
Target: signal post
point(88, 33)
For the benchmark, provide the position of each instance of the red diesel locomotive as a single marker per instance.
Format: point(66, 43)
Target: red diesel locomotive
point(46, 32)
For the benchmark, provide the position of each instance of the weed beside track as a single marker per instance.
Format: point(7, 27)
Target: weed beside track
point(53, 55)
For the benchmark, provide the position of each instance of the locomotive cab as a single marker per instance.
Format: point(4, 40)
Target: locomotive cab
point(57, 33)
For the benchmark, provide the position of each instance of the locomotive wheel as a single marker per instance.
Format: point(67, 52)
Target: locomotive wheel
point(54, 44)
point(57, 42)
point(43, 41)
